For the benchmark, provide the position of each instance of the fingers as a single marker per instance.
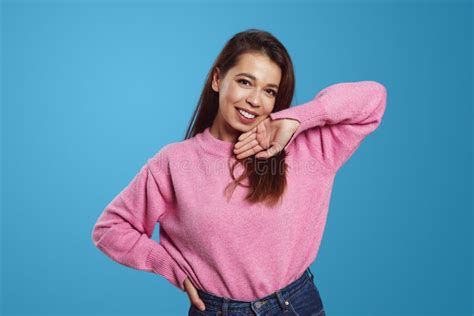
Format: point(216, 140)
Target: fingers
point(245, 143)
point(199, 304)
point(247, 133)
point(273, 150)
point(251, 151)
point(194, 296)
point(251, 142)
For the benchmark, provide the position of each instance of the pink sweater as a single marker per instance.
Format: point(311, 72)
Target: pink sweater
point(236, 249)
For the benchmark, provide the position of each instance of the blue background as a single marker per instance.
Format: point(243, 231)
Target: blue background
point(91, 90)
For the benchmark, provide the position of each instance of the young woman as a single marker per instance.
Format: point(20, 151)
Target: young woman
point(242, 201)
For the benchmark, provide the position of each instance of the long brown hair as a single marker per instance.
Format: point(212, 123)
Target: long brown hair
point(264, 184)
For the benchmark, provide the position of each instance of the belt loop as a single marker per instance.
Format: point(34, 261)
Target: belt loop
point(310, 274)
point(283, 303)
point(225, 306)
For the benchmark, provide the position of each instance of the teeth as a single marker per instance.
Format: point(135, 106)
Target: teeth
point(246, 114)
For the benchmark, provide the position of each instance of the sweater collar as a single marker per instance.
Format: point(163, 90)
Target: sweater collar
point(215, 145)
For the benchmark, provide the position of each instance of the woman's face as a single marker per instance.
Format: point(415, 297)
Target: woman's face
point(251, 86)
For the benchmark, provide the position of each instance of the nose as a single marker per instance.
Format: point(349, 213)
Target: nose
point(254, 98)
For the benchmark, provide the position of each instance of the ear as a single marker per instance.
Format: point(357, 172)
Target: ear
point(215, 79)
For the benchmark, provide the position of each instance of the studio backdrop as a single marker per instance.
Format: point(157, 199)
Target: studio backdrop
point(92, 89)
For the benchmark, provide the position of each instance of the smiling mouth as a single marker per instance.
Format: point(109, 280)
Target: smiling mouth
point(246, 114)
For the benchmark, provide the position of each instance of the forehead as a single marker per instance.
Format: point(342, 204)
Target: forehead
point(258, 65)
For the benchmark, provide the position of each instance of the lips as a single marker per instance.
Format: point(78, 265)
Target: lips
point(251, 112)
point(243, 119)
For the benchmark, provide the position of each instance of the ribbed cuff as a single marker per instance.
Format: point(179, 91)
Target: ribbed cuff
point(309, 115)
point(163, 264)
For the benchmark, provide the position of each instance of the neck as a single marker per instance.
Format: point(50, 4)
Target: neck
point(224, 132)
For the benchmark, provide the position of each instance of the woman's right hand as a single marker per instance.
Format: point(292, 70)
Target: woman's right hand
point(193, 295)
point(266, 139)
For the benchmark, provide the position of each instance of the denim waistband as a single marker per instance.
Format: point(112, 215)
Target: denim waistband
point(279, 297)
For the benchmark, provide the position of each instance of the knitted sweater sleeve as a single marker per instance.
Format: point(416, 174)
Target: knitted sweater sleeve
point(336, 121)
point(124, 229)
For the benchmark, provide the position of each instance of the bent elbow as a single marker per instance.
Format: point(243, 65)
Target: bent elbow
point(97, 232)
point(379, 90)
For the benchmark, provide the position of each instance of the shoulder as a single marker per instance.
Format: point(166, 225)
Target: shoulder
point(172, 153)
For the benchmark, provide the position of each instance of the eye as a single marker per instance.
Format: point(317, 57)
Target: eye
point(243, 80)
point(273, 91)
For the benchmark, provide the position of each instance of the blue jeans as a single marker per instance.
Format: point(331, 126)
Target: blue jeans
point(301, 297)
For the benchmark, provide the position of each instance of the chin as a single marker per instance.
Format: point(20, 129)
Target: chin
point(240, 127)
point(243, 127)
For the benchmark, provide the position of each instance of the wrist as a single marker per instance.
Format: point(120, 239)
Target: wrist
point(292, 123)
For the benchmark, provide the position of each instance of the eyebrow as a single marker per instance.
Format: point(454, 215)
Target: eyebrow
point(253, 77)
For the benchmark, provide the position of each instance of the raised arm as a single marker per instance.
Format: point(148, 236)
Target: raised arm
point(124, 229)
point(334, 123)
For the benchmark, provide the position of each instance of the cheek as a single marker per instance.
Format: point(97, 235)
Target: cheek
point(228, 110)
point(234, 94)
point(269, 108)
point(229, 98)
point(226, 107)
